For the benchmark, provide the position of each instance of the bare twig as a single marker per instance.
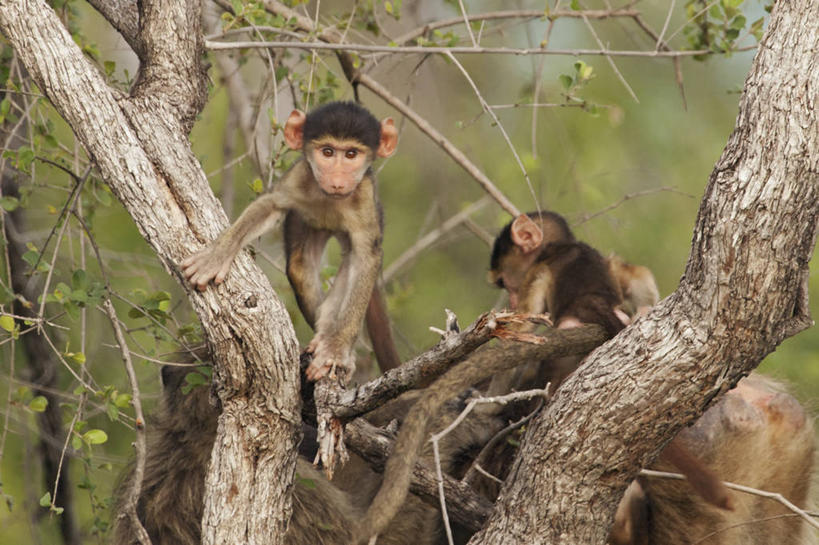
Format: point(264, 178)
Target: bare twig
point(628, 197)
point(747, 490)
point(431, 238)
point(515, 14)
point(494, 117)
point(131, 498)
point(660, 42)
point(611, 61)
point(436, 438)
point(474, 44)
point(463, 50)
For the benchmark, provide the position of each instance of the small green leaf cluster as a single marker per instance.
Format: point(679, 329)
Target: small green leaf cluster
point(153, 305)
point(716, 26)
point(80, 294)
point(574, 83)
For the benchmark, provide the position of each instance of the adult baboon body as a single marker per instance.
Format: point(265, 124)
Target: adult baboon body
point(758, 436)
point(180, 439)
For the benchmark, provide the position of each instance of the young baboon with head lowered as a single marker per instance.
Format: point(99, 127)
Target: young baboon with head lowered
point(180, 438)
point(553, 273)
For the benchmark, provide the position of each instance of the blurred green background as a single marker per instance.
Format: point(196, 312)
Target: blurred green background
point(629, 179)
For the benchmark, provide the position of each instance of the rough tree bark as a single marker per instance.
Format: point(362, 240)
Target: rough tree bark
point(744, 291)
point(139, 143)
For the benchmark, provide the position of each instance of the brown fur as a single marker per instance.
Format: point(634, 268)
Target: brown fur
point(180, 438)
point(758, 436)
point(321, 199)
point(577, 286)
point(581, 286)
point(636, 283)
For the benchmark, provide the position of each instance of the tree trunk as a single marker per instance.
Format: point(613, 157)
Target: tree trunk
point(744, 291)
point(139, 143)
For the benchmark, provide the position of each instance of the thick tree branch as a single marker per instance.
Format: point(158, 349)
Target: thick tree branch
point(132, 498)
point(171, 74)
point(455, 348)
point(124, 17)
point(142, 152)
point(742, 293)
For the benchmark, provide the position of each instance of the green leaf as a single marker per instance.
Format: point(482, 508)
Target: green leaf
point(566, 81)
point(112, 411)
point(31, 257)
point(575, 5)
point(72, 310)
point(739, 22)
point(388, 7)
point(7, 323)
point(45, 500)
point(9, 204)
point(57, 510)
point(733, 4)
point(38, 404)
point(95, 437)
point(122, 401)
point(257, 186)
point(62, 289)
point(79, 280)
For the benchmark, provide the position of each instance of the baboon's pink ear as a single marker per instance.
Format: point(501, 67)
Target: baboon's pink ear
point(526, 234)
point(389, 138)
point(294, 130)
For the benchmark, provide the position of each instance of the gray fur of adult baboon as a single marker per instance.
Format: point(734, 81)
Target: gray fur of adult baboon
point(180, 438)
